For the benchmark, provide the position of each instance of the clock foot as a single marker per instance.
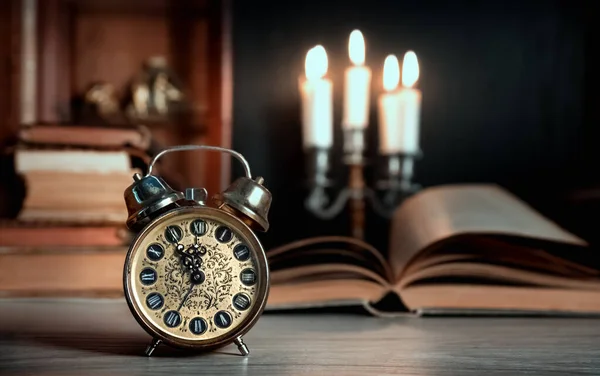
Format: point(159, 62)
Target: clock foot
point(152, 346)
point(239, 342)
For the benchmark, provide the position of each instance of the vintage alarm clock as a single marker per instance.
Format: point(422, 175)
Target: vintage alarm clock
point(196, 275)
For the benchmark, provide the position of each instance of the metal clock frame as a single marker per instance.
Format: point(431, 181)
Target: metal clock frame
point(233, 336)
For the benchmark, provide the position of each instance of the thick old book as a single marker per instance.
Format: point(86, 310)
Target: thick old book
point(455, 249)
point(20, 234)
point(75, 186)
point(86, 136)
point(65, 271)
point(76, 198)
point(71, 160)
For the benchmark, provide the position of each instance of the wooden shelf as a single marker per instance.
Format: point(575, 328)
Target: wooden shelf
point(196, 7)
point(74, 43)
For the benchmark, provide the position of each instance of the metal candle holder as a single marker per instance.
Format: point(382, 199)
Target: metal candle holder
point(397, 182)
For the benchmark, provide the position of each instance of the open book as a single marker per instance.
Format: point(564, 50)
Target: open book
point(464, 249)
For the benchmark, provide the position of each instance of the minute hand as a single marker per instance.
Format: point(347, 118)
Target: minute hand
point(187, 295)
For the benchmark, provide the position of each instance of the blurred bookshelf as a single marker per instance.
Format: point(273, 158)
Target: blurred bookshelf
point(63, 169)
point(51, 51)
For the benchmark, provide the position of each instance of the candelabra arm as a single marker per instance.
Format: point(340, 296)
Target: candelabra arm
point(317, 201)
point(377, 205)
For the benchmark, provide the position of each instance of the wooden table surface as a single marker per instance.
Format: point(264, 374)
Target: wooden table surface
point(100, 337)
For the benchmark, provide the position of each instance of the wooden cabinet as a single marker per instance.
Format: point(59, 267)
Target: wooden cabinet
point(52, 50)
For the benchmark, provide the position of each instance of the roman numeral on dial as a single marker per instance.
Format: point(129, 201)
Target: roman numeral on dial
point(241, 252)
point(198, 325)
point(223, 234)
point(198, 227)
point(172, 319)
point(173, 234)
point(155, 252)
point(155, 301)
point(148, 276)
point(223, 319)
point(248, 277)
point(241, 301)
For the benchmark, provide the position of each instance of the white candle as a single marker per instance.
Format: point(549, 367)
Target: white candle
point(356, 85)
point(389, 114)
point(316, 93)
point(409, 100)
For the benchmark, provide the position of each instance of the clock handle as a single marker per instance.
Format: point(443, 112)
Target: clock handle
point(248, 199)
point(234, 153)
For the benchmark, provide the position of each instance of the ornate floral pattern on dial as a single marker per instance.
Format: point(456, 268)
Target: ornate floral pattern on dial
point(164, 290)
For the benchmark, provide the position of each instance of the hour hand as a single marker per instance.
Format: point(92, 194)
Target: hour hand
point(188, 259)
point(180, 249)
point(197, 249)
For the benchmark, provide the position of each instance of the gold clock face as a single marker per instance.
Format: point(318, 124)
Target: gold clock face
point(196, 277)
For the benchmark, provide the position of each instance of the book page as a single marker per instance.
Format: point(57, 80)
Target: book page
point(86, 161)
point(114, 137)
point(439, 213)
point(325, 272)
point(461, 299)
point(329, 293)
point(498, 274)
point(493, 250)
point(327, 250)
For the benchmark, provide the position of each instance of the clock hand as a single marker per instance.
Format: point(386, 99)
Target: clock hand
point(199, 250)
point(180, 248)
point(187, 259)
point(193, 250)
point(191, 261)
point(196, 278)
point(187, 295)
point(191, 257)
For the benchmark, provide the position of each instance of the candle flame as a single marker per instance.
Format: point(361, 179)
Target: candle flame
point(391, 73)
point(410, 69)
point(315, 64)
point(356, 48)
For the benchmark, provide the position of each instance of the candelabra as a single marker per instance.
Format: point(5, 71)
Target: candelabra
point(396, 184)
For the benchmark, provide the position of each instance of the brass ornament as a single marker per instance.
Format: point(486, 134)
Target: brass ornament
point(101, 105)
point(156, 93)
point(196, 275)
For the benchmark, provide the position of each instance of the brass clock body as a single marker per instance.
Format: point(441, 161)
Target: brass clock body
point(206, 315)
point(196, 275)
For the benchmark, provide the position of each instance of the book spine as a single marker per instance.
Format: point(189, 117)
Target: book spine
point(48, 274)
point(28, 62)
point(62, 236)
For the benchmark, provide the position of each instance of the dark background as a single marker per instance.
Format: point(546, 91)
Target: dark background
point(508, 96)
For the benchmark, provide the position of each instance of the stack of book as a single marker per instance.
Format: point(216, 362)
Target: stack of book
point(74, 178)
point(69, 238)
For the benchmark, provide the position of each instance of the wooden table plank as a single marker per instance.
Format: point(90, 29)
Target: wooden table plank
point(83, 337)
